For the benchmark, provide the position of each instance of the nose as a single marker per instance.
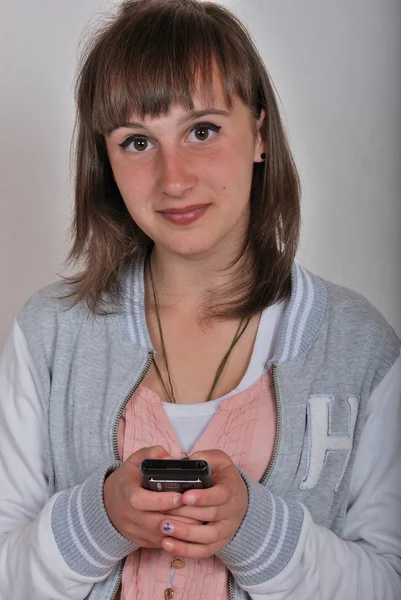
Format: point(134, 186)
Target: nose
point(177, 175)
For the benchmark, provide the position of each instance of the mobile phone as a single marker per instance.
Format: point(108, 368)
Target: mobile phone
point(169, 475)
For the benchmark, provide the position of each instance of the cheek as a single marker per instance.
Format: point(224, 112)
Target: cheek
point(134, 183)
point(234, 179)
point(240, 157)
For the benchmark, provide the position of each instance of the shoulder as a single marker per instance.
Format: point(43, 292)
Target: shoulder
point(355, 313)
point(321, 314)
point(354, 327)
point(51, 322)
point(50, 304)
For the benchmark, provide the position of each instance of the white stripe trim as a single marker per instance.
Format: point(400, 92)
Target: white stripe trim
point(280, 543)
point(128, 304)
point(266, 541)
point(135, 309)
point(140, 307)
point(293, 315)
point(86, 531)
point(310, 296)
point(75, 538)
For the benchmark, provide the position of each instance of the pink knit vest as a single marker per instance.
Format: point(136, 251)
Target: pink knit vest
point(243, 427)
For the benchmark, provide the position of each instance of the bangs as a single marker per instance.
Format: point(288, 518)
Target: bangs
point(159, 57)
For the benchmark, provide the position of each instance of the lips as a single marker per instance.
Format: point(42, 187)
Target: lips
point(183, 210)
point(184, 215)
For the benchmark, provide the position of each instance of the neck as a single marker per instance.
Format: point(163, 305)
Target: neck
point(188, 281)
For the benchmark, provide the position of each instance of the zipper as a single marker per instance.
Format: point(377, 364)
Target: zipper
point(273, 459)
point(231, 586)
point(119, 580)
point(126, 399)
point(115, 442)
point(277, 437)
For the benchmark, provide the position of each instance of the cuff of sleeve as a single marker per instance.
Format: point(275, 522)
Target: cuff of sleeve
point(85, 536)
point(266, 539)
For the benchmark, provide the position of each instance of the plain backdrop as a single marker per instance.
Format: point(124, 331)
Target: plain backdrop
point(336, 66)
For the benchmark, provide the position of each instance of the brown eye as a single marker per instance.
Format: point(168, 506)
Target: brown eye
point(140, 145)
point(202, 133)
point(136, 144)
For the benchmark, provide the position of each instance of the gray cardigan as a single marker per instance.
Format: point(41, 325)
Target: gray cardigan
point(334, 348)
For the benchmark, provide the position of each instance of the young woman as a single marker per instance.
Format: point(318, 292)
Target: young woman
point(189, 331)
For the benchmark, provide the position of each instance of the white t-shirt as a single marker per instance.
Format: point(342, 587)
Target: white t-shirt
point(190, 420)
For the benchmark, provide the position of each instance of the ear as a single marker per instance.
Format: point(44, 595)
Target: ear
point(260, 139)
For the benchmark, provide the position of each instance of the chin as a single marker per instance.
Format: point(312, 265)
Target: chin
point(190, 248)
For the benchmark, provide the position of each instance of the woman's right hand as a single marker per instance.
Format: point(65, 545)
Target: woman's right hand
point(135, 512)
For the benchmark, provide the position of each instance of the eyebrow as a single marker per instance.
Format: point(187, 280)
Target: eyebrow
point(197, 114)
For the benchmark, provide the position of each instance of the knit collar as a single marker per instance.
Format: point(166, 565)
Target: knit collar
point(302, 318)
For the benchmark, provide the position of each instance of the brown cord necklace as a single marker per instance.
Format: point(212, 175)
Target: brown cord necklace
point(169, 388)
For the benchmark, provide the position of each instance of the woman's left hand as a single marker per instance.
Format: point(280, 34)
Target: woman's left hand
point(222, 507)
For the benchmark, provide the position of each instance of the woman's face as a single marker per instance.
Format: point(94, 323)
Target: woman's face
point(186, 177)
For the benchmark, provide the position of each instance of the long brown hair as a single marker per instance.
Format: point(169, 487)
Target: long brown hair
point(149, 56)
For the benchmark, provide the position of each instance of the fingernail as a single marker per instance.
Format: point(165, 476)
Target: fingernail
point(189, 499)
point(177, 500)
point(168, 545)
point(168, 527)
